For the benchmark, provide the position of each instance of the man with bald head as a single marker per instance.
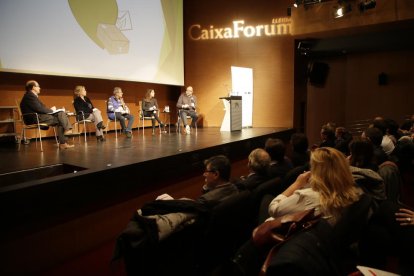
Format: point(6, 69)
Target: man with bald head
point(186, 105)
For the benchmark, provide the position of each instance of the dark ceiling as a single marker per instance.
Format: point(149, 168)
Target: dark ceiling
point(387, 37)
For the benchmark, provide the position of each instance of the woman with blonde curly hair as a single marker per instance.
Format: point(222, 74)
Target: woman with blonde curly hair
point(328, 187)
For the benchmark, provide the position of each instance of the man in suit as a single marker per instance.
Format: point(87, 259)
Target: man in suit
point(31, 103)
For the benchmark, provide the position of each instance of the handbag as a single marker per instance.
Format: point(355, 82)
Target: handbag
point(272, 234)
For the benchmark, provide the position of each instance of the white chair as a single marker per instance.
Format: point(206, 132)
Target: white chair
point(108, 121)
point(37, 126)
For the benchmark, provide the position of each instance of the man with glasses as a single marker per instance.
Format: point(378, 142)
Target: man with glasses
point(186, 105)
point(31, 104)
point(217, 185)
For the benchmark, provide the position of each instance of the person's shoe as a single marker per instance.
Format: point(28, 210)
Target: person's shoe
point(69, 132)
point(65, 146)
point(187, 129)
point(128, 134)
point(100, 125)
point(100, 138)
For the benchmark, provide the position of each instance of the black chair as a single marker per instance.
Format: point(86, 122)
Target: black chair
point(229, 226)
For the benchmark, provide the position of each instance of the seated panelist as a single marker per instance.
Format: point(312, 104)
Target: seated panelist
point(31, 104)
point(187, 104)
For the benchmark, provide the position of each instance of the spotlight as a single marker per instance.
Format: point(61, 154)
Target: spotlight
point(367, 4)
point(342, 9)
point(297, 3)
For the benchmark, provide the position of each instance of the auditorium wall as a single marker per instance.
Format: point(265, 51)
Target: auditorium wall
point(208, 59)
point(357, 53)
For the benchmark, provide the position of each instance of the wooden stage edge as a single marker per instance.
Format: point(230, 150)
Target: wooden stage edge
point(36, 186)
point(54, 215)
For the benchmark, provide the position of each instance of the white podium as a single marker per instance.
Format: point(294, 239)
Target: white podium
point(232, 120)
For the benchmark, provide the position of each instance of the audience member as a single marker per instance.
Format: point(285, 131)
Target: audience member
point(119, 110)
point(374, 135)
point(279, 164)
point(258, 164)
point(217, 185)
point(86, 111)
point(300, 149)
point(343, 138)
point(386, 143)
point(364, 171)
point(31, 104)
point(186, 104)
point(327, 136)
point(362, 154)
point(329, 187)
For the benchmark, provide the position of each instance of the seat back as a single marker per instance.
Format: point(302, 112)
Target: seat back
point(229, 226)
point(392, 179)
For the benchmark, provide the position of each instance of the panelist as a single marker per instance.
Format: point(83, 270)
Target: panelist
point(186, 105)
point(86, 111)
point(117, 108)
point(150, 108)
point(31, 104)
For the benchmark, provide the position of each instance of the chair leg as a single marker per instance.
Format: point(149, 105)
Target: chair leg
point(84, 129)
point(40, 138)
point(116, 130)
point(57, 141)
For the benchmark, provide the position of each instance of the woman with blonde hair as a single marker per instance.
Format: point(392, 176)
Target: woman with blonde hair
point(86, 111)
point(328, 187)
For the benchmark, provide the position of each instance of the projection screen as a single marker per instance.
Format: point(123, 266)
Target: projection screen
point(133, 40)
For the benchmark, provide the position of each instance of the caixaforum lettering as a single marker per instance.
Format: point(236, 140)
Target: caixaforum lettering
point(279, 26)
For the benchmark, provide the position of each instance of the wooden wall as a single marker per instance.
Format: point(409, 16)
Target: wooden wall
point(352, 92)
point(58, 91)
point(208, 62)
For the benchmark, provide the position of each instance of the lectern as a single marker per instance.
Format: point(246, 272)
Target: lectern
point(233, 113)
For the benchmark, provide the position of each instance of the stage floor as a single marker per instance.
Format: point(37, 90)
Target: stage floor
point(45, 188)
point(122, 151)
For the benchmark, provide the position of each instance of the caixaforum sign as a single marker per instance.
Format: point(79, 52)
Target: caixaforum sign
point(240, 29)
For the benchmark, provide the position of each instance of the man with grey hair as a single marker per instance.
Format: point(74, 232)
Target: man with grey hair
point(119, 110)
point(258, 164)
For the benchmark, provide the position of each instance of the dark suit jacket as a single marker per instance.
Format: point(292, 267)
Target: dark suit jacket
point(31, 104)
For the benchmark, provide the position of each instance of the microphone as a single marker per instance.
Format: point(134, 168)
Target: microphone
point(192, 102)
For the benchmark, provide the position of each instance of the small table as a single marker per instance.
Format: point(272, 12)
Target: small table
point(167, 118)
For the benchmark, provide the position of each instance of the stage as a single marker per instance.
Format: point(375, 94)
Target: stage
point(57, 205)
point(36, 185)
